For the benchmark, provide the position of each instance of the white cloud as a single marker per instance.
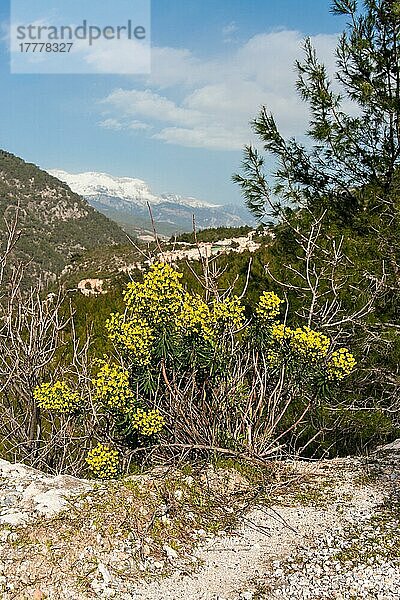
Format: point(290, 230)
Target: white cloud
point(116, 125)
point(113, 124)
point(138, 125)
point(116, 56)
point(209, 103)
point(174, 66)
point(210, 137)
point(147, 104)
point(229, 29)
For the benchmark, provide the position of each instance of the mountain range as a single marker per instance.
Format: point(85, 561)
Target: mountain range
point(126, 200)
point(59, 214)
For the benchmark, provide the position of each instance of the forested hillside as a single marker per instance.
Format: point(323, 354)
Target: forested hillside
point(54, 223)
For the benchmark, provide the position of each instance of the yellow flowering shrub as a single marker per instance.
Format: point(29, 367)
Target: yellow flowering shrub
point(112, 387)
point(218, 374)
point(58, 397)
point(195, 318)
point(179, 348)
point(135, 338)
point(147, 422)
point(341, 364)
point(159, 298)
point(103, 461)
point(268, 306)
point(160, 314)
point(314, 346)
point(228, 313)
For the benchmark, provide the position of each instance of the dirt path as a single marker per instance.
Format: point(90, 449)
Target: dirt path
point(235, 566)
point(335, 535)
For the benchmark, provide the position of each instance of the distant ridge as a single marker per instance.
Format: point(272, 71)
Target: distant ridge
point(126, 199)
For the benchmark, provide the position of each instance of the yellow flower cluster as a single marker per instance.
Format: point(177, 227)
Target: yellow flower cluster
point(228, 313)
point(314, 346)
point(281, 332)
point(112, 387)
point(134, 337)
point(268, 306)
point(58, 397)
point(341, 364)
point(302, 340)
point(195, 317)
point(159, 298)
point(103, 461)
point(310, 343)
point(147, 422)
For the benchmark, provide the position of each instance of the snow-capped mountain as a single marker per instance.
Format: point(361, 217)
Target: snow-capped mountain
point(93, 185)
point(126, 200)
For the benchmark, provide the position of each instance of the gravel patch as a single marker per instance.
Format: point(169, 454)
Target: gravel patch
point(359, 558)
point(350, 564)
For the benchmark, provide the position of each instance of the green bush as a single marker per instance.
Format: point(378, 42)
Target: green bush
point(191, 371)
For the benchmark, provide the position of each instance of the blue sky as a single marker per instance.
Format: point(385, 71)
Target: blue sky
point(182, 127)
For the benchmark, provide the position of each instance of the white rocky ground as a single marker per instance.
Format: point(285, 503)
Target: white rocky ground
point(26, 493)
point(337, 539)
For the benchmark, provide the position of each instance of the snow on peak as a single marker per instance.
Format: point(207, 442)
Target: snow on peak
point(96, 185)
point(92, 184)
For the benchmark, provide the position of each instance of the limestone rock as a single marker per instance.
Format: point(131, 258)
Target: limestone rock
point(26, 493)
